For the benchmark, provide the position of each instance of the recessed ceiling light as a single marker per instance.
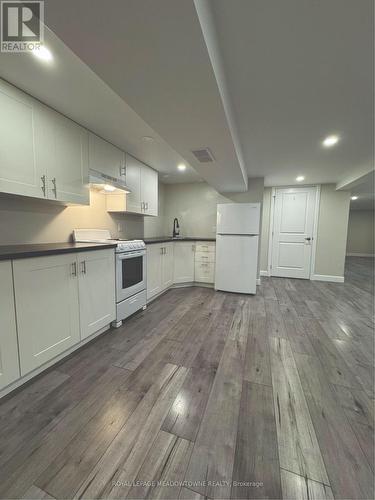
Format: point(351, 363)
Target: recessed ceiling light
point(300, 178)
point(147, 138)
point(43, 53)
point(181, 167)
point(354, 197)
point(330, 141)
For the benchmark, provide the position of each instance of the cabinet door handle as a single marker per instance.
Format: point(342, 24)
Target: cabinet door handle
point(54, 189)
point(43, 186)
point(83, 267)
point(74, 269)
point(161, 250)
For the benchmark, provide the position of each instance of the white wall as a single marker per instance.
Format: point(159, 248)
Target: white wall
point(332, 231)
point(360, 232)
point(331, 234)
point(264, 240)
point(194, 205)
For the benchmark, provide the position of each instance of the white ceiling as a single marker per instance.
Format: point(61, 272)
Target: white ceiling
point(72, 88)
point(260, 82)
point(153, 55)
point(364, 189)
point(299, 70)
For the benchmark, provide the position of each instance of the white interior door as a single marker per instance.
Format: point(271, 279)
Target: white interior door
point(293, 227)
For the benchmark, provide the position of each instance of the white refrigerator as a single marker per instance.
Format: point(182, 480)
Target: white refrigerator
point(237, 243)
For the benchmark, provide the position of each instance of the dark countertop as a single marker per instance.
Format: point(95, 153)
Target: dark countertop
point(165, 239)
point(8, 252)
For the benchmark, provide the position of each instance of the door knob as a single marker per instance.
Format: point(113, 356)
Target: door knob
point(308, 239)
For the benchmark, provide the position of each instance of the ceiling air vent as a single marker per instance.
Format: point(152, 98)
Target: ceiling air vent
point(203, 155)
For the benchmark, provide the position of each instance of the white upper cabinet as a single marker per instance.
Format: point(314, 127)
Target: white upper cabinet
point(143, 183)
point(105, 157)
point(9, 366)
point(133, 181)
point(20, 172)
point(43, 154)
point(68, 170)
point(149, 190)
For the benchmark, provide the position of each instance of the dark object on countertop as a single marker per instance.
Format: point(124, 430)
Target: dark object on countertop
point(8, 252)
point(176, 228)
point(165, 239)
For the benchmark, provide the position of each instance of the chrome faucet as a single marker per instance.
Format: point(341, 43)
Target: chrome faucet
point(176, 228)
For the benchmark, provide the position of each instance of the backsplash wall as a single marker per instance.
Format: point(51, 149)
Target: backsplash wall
point(194, 204)
point(24, 220)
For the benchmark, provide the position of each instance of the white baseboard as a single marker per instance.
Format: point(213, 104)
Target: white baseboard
point(360, 255)
point(326, 277)
point(264, 273)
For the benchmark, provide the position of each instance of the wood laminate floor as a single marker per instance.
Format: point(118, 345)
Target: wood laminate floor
point(208, 395)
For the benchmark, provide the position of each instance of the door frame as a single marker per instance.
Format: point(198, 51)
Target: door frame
point(315, 225)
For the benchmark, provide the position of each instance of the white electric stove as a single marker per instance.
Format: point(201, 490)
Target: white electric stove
point(130, 270)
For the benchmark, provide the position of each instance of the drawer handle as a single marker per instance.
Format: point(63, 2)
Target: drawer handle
point(74, 269)
point(43, 187)
point(54, 188)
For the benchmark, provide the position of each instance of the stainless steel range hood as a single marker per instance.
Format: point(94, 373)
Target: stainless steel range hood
point(106, 182)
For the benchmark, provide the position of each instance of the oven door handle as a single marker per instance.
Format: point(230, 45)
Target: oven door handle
point(124, 256)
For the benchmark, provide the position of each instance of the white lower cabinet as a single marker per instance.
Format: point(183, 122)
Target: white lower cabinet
point(205, 262)
point(154, 263)
point(179, 262)
point(96, 282)
point(204, 272)
point(60, 300)
point(167, 266)
point(184, 262)
point(9, 365)
point(159, 268)
point(46, 295)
